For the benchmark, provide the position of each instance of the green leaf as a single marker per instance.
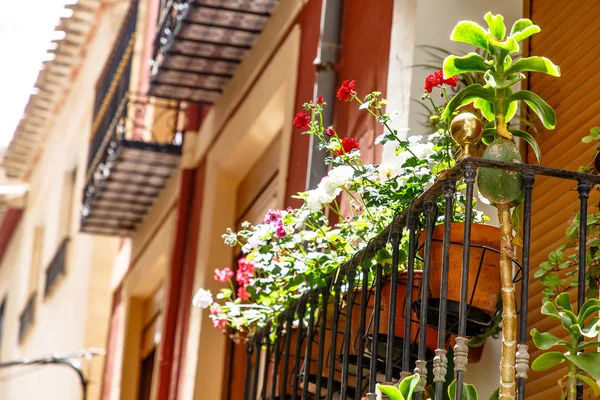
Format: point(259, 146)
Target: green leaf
point(472, 62)
point(391, 391)
point(486, 108)
point(466, 96)
point(469, 391)
point(538, 105)
point(550, 310)
point(510, 80)
point(563, 301)
point(585, 345)
point(547, 361)
point(495, 395)
point(529, 139)
point(589, 362)
point(496, 25)
point(545, 340)
point(523, 28)
point(535, 64)
point(595, 132)
point(471, 33)
point(408, 385)
point(509, 45)
point(590, 307)
point(550, 280)
point(591, 383)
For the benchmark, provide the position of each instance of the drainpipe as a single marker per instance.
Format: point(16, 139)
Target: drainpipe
point(325, 82)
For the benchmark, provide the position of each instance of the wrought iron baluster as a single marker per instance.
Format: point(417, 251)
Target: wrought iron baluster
point(389, 354)
point(421, 363)
point(347, 330)
point(583, 187)
point(276, 355)
point(412, 242)
point(263, 390)
point(375, 338)
point(440, 362)
point(334, 334)
point(361, 333)
point(298, 350)
point(258, 351)
point(289, 321)
point(248, 381)
point(522, 366)
point(461, 349)
point(313, 301)
point(321, 350)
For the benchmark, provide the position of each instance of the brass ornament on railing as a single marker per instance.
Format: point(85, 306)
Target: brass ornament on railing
point(467, 131)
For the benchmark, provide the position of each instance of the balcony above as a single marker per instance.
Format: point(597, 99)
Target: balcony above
point(130, 163)
point(200, 44)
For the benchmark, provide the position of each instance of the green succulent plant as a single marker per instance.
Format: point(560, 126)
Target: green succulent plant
point(581, 327)
point(406, 390)
point(496, 100)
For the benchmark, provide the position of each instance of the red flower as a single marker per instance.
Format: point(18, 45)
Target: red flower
point(242, 294)
point(301, 120)
point(436, 79)
point(348, 144)
point(223, 275)
point(346, 91)
point(329, 131)
point(320, 100)
point(451, 81)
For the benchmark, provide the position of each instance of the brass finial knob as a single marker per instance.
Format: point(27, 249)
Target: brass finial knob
point(467, 131)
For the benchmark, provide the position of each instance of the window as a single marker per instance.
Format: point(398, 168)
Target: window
point(56, 268)
point(27, 317)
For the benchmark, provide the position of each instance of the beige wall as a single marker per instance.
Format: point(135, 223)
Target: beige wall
point(75, 314)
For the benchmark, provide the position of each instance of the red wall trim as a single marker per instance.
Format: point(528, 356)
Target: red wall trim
point(174, 285)
point(8, 227)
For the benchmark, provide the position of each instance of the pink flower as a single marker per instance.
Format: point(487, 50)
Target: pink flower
point(242, 294)
point(329, 131)
point(245, 271)
point(223, 275)
point(272, 216)
point(219, 321)
point(279, 230)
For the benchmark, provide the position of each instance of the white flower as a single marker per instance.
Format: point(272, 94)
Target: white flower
point(387, 171)
point(203, 298)
point(422, 150)
point(342, 175)
point(257, 239)
point(415, 139)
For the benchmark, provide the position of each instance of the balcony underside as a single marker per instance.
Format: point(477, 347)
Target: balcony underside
point(123, 192)
point(201, 43)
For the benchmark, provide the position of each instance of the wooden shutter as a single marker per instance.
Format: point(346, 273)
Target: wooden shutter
point(569, 38)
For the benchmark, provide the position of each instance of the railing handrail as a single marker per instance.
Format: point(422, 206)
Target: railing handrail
point(400, 220)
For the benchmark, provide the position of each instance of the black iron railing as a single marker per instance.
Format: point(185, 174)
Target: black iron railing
point(114, 81)
point(367, 327)
point(27, 317)
point(170, 20)
point(57, 267)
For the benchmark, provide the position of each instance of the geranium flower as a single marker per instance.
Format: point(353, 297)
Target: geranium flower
point(301, 120)
point(330, 132)
point(218, 318)
point(272, 216)
point(242, 294)
point(346, 91)
point(320, 100)
point(203, 298)
point(436, 79)
point(223, 275)
point(279, 230)
point(245, 271)
point(348, 144)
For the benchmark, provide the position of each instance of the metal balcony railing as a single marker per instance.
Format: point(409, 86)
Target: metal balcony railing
point(340, 341)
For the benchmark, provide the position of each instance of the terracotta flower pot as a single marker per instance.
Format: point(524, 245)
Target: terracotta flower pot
point(487, 278)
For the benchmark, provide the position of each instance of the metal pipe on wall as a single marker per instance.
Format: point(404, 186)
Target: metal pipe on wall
point(325, 81)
